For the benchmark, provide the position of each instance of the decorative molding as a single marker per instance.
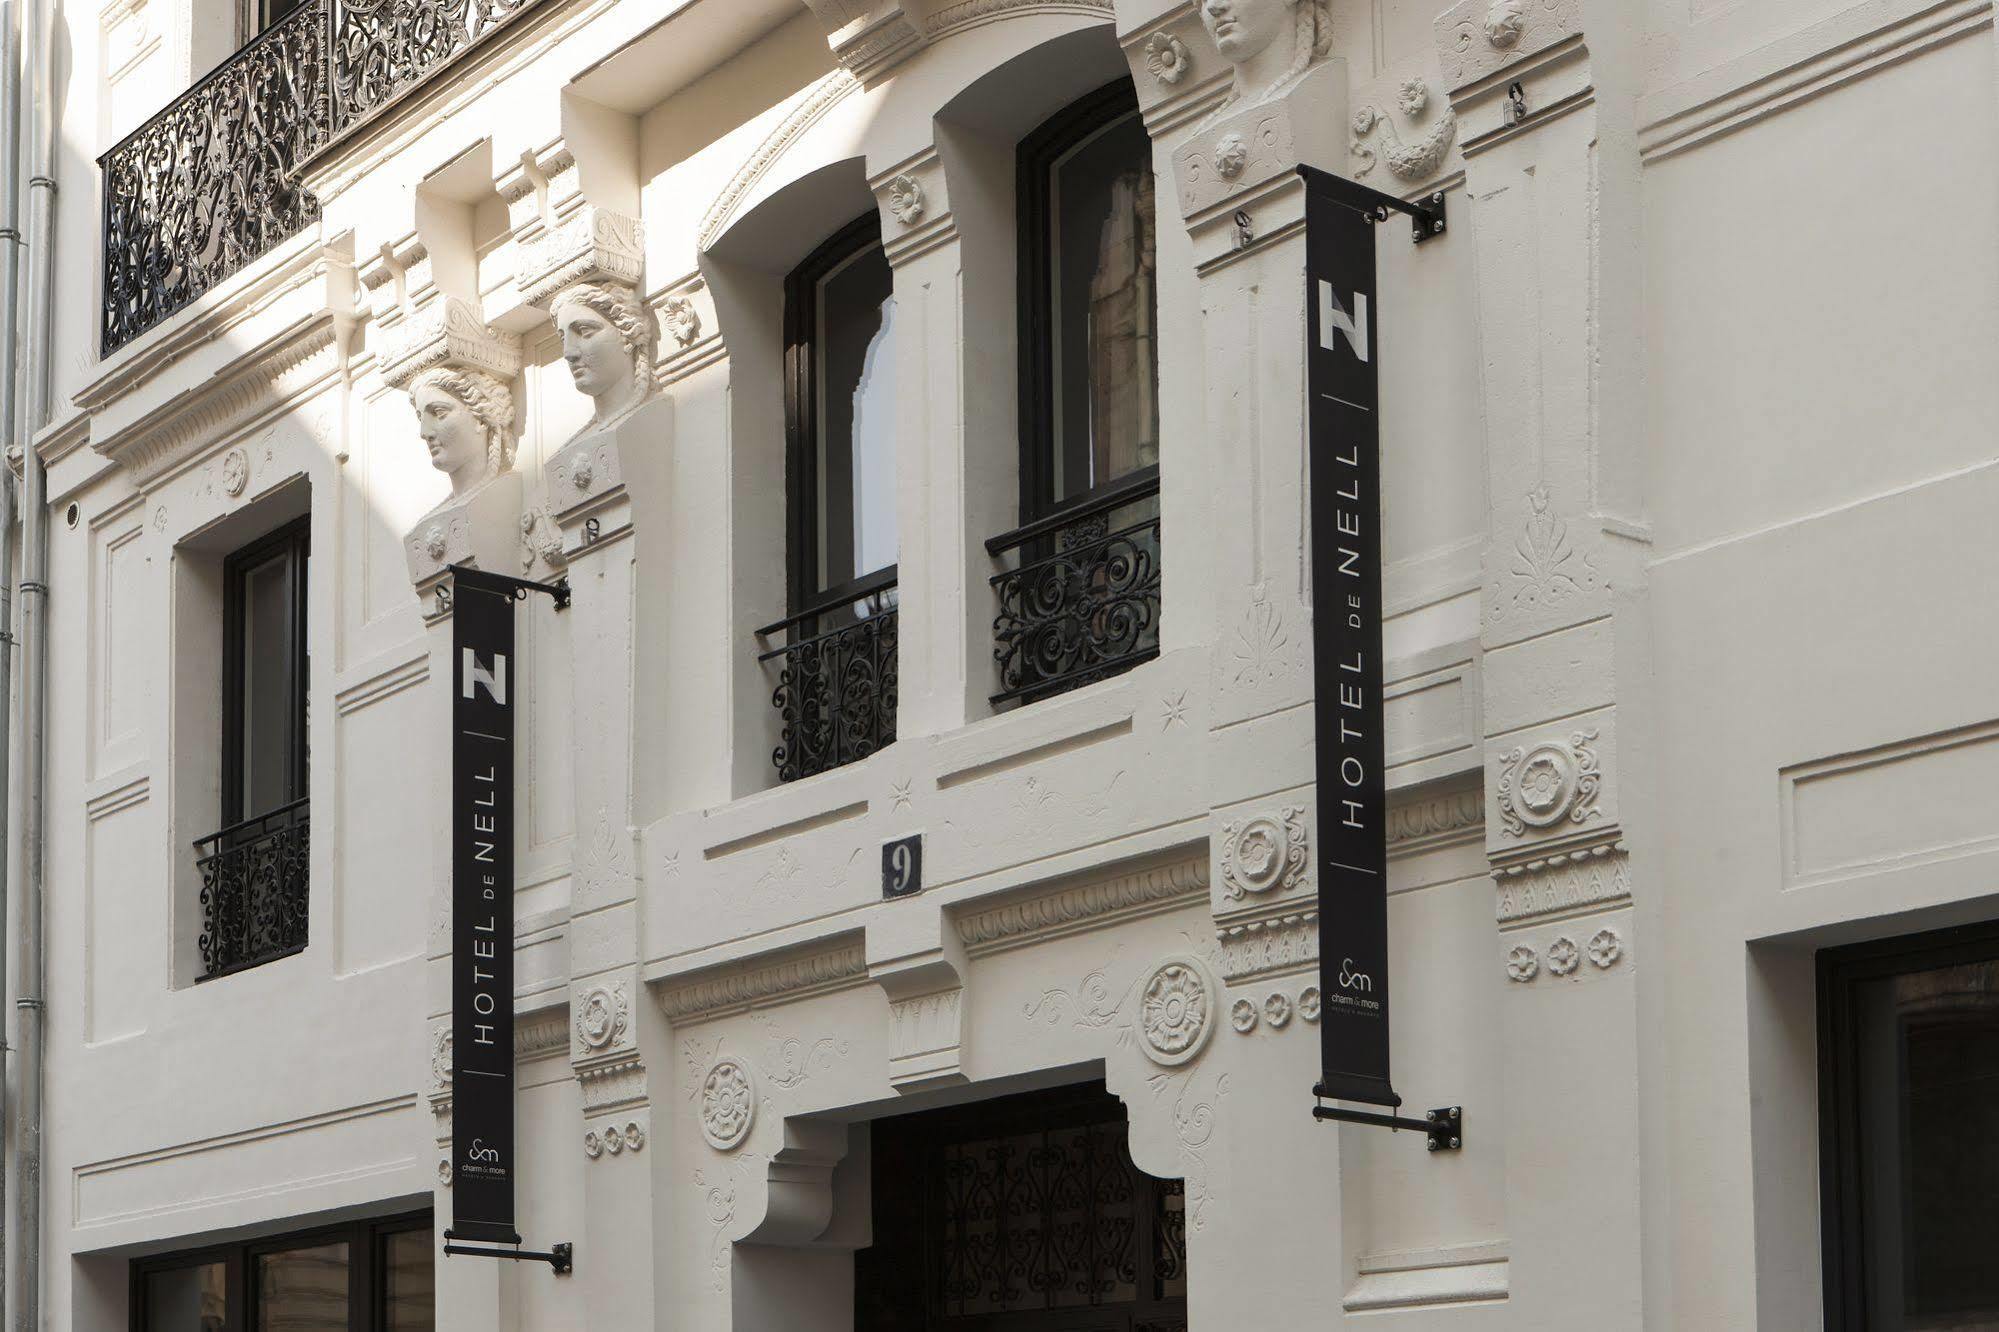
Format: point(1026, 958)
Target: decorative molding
point(1269, 947)
point(594, 245)
point(760, 981)
point(926, 1039)
point(603, 1016)
point(1082, 904)
point(543, 1035)
point(201, 418)
point(1419, 825)
point(971, 13)
point(1574, 882)
point(121, 797)
point(384, 684)
point(1548, 784)
point(1561, 957)
point(1409, 161)
point(728, 1103)
point(1176, 1011)
point(1547, 570)
point(440, 1055)
point(1265, 853)
point(613, 1140)
point(806, 112)
point(444, 331)
point(1475, 39)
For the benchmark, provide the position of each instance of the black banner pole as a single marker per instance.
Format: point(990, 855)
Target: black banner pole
point(484, 697)
point(1343, 436)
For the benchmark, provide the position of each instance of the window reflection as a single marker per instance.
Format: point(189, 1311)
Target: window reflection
point(855, 380)
point(303, 1290)
point(189, 1299)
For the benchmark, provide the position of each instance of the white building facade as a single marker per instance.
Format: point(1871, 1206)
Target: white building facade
point(911, 397)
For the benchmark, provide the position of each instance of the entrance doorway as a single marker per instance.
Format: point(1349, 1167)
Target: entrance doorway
point(1020, 1214)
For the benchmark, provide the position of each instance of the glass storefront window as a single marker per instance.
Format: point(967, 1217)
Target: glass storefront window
point(303, 1290)
point(193, 1299)
point(410, 1296)
point(363, 1276)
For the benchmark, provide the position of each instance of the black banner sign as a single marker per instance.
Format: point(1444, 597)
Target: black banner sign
point(483, 681)
point(1343, 442)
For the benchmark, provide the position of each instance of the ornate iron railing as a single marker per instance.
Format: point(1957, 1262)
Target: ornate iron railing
point(211, 183)
point(1083, 602)
point(383, 47)
point(253, 890)
point(836, 688)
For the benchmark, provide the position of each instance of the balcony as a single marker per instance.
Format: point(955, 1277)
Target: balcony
point(212, 183)
point(837, 682)
point(253, 890)
point(1082, 602)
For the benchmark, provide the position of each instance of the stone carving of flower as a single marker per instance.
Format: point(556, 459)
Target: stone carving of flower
point(1308, 1003)
point(1277, 1010)
point(1174, 1012)
point(728, 1104)
point(1414, 96)
point(601, 1018)
point(1563, 956)
point(905, 200)
point(1541, 783)
point(433, 541)
point(1521, 964)
point(1242, 1015)
point(582, 473)
point(1363, 120)
point(1504, 22)
point(635, 1137)
point(235, 471)
point(683, 321)
point(614, 1141)
point(1605, 947)
point(1256, 851)
point(593, 1146)
point(1231, 156)
point(444, 1171)
point(1168, 58)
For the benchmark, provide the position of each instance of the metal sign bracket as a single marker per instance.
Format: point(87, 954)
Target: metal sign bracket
point(559, 589)
point(561, 1257)
point(1444, 1129)
point(1427, 219)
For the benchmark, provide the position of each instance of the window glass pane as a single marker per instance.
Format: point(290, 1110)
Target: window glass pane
point(267, 688)
point(1104, 305)
point(188, 1299)
point(855, 377)
point(411, 1286)
point(1929, 1141)
point(303, 1290)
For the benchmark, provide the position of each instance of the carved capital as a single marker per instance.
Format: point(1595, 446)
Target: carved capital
point(444, 331)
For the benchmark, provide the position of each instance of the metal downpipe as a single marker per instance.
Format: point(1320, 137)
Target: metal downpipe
point(10, 351)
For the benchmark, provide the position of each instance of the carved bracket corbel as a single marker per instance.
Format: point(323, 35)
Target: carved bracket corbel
point(924, 981)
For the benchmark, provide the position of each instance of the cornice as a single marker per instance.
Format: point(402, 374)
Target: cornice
point(765, 979)
point(1443, 819)
point(295, 363)
point(544, 1034)
point(1082, 905)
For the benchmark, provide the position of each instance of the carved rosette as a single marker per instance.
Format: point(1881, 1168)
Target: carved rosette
point(1264, 853)
point(728, 1103)
point(1548, 784)
point(440, 1055)
point(1167, 58)
point(1175, 1011)
point(905, 200)
point(681, 320)
point(613, 1140)
point(603, 1015)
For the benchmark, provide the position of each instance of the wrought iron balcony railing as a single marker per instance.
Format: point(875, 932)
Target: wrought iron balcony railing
point(1082, 602)
point(212, 182)
point(836, 688)
point(253, 890)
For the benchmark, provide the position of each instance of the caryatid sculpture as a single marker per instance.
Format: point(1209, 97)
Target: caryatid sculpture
point(608, 336)
point(1271, 43)
point(465, 418)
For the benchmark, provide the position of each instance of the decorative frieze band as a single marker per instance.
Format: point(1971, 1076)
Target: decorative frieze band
point(1277, 945)
point(1159, 887)
point(761, 981)
point(1569, 882)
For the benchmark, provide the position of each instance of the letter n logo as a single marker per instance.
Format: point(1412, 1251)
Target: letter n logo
point(494, 682)
point(1333, 315)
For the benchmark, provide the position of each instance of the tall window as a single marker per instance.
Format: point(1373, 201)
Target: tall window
point(254, 871)
point(1089, 301)
point(1081, 600)
point(264, 686)
point(364, 1277)
point(1909, 1084)
point(837, 683)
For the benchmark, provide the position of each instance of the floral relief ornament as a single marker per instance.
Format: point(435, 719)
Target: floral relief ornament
point(1504, 22)
point(1168, 58)
point(905, 200)
point(1549, 783)
point(1264, 852)
point(1277, 1011)
point(728, 1104)
point(1605, 948)
point(682, 320)
point(1563, 955)
point(1231, 156)
point(1173, 1011)
point(1308, 1003)
point(603, 1017)
point(1411, 160)
point(235, 471)
point(1242, 1015)
point(1521, 964)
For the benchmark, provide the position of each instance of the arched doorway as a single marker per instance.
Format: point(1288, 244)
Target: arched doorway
point(1020, 1214)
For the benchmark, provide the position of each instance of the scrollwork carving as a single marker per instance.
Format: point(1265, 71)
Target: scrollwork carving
point(1549, 783)
point(1264, 853)
point(602, 1017)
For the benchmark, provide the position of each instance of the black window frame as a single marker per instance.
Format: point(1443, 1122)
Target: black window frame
point(294, 540)
point(367, 1282)
point(1037, 153)
point(804, 596)
point(1840, 972)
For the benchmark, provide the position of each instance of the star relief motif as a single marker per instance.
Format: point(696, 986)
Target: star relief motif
point(899, 793)
point(1174, 711)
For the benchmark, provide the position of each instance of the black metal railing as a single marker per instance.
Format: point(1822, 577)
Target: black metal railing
point(253, 890)
point(836, 689)
point(212, 182)
point(1082, 603)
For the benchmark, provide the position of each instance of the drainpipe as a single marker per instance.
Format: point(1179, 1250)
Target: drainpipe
point(38, 60)
point(10, 347)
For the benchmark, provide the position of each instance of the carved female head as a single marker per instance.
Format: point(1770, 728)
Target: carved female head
point(1270, 42)
point(607, 339)
point(466, 420)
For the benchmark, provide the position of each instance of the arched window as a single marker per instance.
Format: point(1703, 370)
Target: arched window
point(836, 689)
point(1081, 601)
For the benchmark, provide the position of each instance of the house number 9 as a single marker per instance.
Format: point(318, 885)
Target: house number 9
point(902, 867)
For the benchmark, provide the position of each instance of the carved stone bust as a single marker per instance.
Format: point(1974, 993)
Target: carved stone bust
point(465, 418)
point(1271, 43)
point(608, 336)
